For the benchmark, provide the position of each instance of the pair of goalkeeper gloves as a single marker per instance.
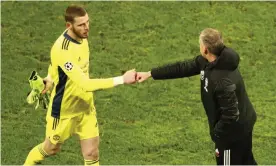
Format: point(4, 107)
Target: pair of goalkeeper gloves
point(35, 96)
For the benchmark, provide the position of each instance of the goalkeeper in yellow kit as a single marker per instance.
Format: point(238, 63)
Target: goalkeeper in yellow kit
point(71, 109)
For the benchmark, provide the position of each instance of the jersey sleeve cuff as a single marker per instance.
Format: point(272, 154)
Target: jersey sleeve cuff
point(118, 80)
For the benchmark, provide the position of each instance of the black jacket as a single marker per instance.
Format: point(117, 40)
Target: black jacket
point(229, 110)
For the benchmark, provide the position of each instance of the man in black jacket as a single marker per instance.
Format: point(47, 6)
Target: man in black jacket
point(230, 113)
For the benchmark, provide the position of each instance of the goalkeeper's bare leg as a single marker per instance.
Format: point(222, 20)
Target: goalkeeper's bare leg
point(90, 151)
point(38, 153)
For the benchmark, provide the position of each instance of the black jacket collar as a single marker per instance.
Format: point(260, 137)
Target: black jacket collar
point(227, 59)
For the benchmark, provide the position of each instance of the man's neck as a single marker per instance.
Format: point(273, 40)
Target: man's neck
point(211, 58)
point(73, 35)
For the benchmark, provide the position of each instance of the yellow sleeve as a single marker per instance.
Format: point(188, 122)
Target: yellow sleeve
point(69, 66)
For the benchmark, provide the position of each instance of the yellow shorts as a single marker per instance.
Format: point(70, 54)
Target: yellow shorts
point(84, 125)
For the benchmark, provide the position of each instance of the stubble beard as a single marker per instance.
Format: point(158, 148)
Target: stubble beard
point(79, 35)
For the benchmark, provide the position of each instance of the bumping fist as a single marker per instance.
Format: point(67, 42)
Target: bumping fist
point(130, 77)
point(142, 76)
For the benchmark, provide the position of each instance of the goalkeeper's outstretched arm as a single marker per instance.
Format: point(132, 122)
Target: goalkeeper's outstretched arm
point(67, 64)
point(76, 75)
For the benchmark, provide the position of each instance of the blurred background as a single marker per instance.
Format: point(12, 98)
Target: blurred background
point(155, 122)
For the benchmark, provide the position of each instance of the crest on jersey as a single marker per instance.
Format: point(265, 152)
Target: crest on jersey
point(68, 66)
point(56, 137)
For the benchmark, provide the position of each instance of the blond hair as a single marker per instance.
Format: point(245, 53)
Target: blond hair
point(212, 40)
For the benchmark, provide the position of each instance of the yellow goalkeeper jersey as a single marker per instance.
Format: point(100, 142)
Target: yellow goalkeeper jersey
point(72, 93)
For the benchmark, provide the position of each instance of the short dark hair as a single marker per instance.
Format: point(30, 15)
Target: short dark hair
point(212, 39)
point(73, 11)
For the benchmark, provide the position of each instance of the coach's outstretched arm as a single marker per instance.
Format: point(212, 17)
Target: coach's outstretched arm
point(176, 70)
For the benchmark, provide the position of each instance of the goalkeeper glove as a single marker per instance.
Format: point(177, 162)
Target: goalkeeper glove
point(37, 85)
